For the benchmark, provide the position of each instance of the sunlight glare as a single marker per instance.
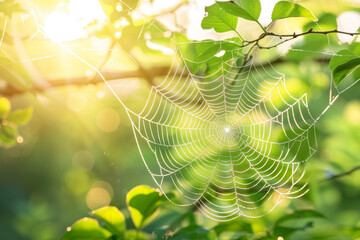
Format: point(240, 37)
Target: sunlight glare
point(60, 27)
point(69, 23)
point(348, 22)
point(163, 49)
point(267, 6)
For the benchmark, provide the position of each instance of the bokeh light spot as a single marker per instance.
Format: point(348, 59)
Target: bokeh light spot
point(108, 120)
point(84, 160)
point(97, 197)
point(19, 139)
point(352, 113)
point(100, 94)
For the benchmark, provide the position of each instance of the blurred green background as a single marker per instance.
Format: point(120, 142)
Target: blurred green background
point(78, 152)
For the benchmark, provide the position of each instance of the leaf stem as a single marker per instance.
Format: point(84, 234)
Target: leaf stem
point(262, 27)
point(137, 233)
point(242, 39)
point(270, 24)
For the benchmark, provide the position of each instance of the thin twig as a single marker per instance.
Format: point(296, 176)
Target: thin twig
point(342, 174)
point(289, 37)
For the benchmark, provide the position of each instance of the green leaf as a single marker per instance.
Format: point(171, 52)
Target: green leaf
point(8, 7)
point(9, 129)
point(129, 4)
point(299, 220)
point(253, 7)
point(14, 73)
point(234, 225)
point(343, 70)
point(134, 234)
point(200, 51)
point(86, 229)
point(131, 36)
point(204, 52)
point(355, 48)
point(8, 134)
point(300, 214)
point(194, 232)
point(143, 203)
point(108, 6)
point(249, 10)
point(114, 220)
point(234, 229)
point(22, 116)
point(168, 220)
point(326, 22)
point(5, 106)
point(285, 9)
point(6, 141)
point(341, 57)
point(218, 19)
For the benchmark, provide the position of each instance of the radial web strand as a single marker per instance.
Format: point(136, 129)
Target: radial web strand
point(227, 137)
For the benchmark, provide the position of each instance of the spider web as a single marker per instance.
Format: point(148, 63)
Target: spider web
point(224, 136)
point(230, 140)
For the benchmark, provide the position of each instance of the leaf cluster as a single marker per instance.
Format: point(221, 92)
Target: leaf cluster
point(126, 31)
point(9, 121)
point(143, 203)
point(153, 218)
point(224, 17)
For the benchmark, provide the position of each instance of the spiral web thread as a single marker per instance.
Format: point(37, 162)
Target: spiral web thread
point(230, 142)
point(233, 142)
point(228, 138)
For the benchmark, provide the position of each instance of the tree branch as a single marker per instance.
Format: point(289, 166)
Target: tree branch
point(153, 72)
point(147, 74)
point(290, 37)
point(342, 174)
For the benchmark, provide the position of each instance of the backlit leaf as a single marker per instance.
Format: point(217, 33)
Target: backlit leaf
point(218, 19)
point(285, 9)
point(249, 10)
point(134, 234)
point(5, 107)
point(299, 220)
point(114, 220)
point(86, 229)
point(343, 70)
point(22, 116)
point(143, 203)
